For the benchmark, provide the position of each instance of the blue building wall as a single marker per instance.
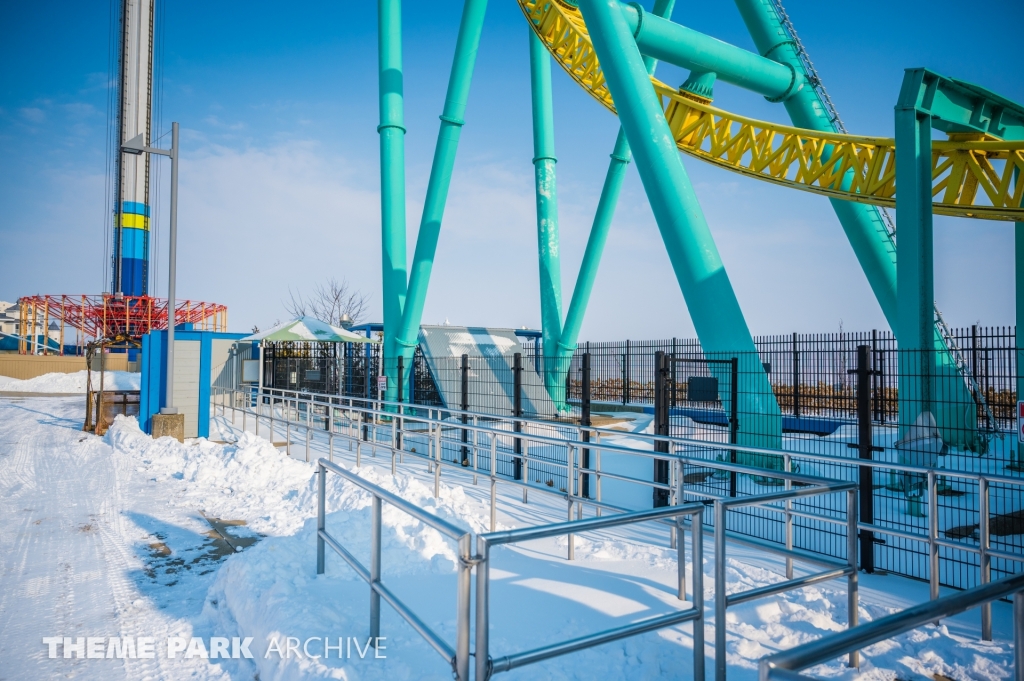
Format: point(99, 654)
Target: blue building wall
point(154, 372)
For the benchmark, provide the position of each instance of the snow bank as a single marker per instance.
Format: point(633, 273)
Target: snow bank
point(71, 383)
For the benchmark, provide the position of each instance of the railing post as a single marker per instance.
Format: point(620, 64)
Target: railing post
point(464, 405)
point(852, 583)
point(787, 465)
point(585, 422)
point(483, 658)
point(984, 561)
point(661, 425)
point(697, 558)
point(720, 594)
point(734, 420)
point(933, 533)
point(321, 523)
point(1018, 636)
point(865, 447)
point(517, 411)
point(375, 569)
point(463, 601)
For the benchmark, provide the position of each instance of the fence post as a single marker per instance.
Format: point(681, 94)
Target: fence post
point(661, 425)
point(734, 419)
point(401, 389)
point(483, 627)
point(625, 376)
point(464, 406)
point(585, 421)
point(865, 446)
point(375, 569)
point(796, 378)
point(321, 524)
point(720, 595)
point(517, 411)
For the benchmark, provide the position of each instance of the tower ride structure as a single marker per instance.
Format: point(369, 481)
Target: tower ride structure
point(126, 309)
point(130, 266)
point(610, 49)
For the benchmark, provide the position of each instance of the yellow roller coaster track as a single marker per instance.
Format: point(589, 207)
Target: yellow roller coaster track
point(972, 175)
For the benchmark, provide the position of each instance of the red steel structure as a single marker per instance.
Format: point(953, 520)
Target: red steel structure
point(107, 316)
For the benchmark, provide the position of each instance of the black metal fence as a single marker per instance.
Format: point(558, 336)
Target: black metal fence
point(817, 394)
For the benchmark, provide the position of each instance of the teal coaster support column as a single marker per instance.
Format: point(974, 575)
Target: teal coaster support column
point(863, 224)
point(466, 48)
point(620, 158)
point(1018, 244)
point(547, 217)
point(392, 175)
point(695, 259)
point(915, 281)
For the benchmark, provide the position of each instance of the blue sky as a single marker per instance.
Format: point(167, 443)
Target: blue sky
point(279, 178)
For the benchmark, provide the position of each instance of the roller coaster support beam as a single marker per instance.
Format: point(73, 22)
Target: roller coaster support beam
point(621, 155)
point(863, 224)
point(698, 267)
point(547, 215)
point(676, 44)
point(466, 48)
point(916, 278)
point(959, 109)
point(392, 172)
point(1018, 239)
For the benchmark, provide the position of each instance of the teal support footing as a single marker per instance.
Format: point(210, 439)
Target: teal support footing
point(698, 267)
point(466, 47)
point(392, 173)
point(547, 216)
point(610, 191)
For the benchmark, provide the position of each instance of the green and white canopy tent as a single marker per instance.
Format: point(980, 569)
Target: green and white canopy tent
point(308, 330)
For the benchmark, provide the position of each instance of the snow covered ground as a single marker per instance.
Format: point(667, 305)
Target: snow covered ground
point(110, 537)
point(71, 383)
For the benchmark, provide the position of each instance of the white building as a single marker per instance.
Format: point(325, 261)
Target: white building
point(10, 327)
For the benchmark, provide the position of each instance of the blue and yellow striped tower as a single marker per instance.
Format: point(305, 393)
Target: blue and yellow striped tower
point(132, 216)
point(134, 230)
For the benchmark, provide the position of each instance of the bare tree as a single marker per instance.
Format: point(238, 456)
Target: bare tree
point(332, 301)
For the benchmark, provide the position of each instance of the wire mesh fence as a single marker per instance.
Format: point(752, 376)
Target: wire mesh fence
point(954, 411)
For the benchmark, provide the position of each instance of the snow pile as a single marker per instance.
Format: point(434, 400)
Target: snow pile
point(271, 590)
point(71, 383)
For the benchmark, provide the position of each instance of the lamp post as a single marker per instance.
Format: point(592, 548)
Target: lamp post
point(137, 145)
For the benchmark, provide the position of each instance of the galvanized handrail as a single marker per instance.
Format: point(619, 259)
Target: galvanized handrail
point(458, 656)
point(376, 410)
point(724, 600)
point(486, 666)
point(789, 663)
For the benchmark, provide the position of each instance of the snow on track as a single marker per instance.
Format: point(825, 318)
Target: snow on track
point(104, 537)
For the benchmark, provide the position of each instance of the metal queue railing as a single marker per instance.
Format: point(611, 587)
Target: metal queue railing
point(486, 665)
point(458, 656)
point(362, 421)
point(833, 569)
point(788, 664)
